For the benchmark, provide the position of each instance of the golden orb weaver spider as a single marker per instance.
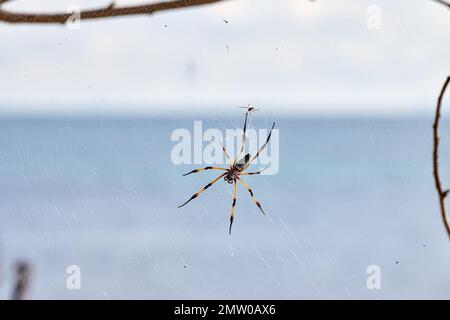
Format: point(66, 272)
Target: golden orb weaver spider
point(237, 169)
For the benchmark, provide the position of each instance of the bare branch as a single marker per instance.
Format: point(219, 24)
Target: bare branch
point(23, 275)
point(109, 11)
point(437, 179)
point(444, 3)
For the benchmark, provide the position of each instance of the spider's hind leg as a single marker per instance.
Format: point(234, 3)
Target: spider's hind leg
point(260, 149)
point(244, 137)
point(252, 173)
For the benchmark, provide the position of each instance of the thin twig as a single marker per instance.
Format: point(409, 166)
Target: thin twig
point(437, 178)
point(109, 11)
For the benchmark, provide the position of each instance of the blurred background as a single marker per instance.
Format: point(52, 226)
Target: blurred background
point(86, 176)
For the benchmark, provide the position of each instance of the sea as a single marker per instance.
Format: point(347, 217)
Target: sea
point(352, 212)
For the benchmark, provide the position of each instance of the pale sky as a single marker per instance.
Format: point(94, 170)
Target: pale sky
point(288, 55)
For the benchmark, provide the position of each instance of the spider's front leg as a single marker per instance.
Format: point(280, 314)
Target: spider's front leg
point(203, 169)
point(258, 204)
point(203, 189)
point(232, 206)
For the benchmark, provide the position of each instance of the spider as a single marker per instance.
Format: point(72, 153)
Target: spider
point(249, 108)
point(233, 174)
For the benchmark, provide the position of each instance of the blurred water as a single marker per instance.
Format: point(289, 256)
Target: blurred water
point(103, 194)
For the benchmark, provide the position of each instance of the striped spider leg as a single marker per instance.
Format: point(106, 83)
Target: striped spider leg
point(195, 195)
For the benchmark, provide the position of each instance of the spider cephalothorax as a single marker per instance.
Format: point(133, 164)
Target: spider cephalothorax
point(237, 169)
point(230, 177)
